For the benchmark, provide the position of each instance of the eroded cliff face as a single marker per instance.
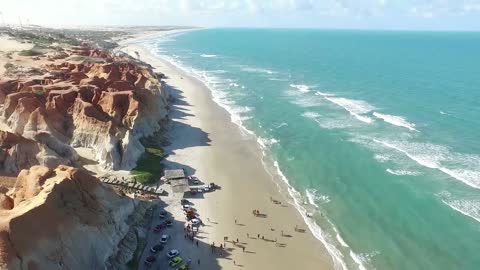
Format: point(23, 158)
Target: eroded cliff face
point(64, 218)
point(105, 106)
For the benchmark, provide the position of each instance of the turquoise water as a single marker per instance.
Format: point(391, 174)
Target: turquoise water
point(376, 131)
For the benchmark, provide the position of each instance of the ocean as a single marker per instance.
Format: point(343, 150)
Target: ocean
point(373, 133)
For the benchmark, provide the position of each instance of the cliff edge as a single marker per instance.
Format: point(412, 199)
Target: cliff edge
point(88, 98)
point(62, 218)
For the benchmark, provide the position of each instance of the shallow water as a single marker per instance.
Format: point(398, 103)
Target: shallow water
point(376, 132)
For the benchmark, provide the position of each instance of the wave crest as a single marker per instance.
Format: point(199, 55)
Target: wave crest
point(395, 120)
point(355, 107)
point(208, 55)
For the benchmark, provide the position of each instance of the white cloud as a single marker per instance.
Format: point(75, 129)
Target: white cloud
point(228, 12)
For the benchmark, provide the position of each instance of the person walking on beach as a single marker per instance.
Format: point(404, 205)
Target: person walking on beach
point(258, 236)
point(248, 235)
point(243, 249)
point(235, 221)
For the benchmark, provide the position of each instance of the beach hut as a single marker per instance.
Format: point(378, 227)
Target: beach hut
point(177, 180)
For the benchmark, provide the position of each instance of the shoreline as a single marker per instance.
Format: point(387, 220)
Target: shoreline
point(203, 154)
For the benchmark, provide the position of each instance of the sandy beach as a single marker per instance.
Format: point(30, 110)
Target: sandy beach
point(207, 144)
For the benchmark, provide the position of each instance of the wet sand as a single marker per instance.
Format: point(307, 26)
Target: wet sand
point(206, 143)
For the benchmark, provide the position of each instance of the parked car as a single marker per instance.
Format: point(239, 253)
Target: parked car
point(173, 253)
point(149, 260)
point(196, 222)
point(169, 223)
point(163, 214)
point(183, 267)
point(214, 186)
point(157, 228)
point(175, 261)
point(156, 248)
point(184, 201)
point(194, 180)
point(164, 239)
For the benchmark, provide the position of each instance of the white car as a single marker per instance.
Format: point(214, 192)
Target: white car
point(194, 179)
point(164, 239)
point(173, 253)
point(195, 222)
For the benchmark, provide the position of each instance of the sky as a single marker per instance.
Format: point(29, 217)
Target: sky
point(456, 15)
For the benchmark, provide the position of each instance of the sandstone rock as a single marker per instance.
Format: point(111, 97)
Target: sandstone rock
point(6, 203)
point(105, 106)
point(63, 218)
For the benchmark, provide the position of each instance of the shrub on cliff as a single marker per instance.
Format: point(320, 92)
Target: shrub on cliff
point(30, 53)
point(149, 167)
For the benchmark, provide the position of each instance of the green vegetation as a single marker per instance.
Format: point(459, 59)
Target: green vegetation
point(133, 263)
point(45, 38)
point(30, 53)
point(142, 242)
point(149, 167)
point(8, 66)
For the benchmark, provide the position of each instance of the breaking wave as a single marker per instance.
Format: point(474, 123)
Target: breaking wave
point(357, 108)
point(208, 55)
point(301, 87)
point(395, 120)
point(469, 208)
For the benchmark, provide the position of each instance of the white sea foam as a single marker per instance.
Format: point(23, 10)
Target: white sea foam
point(326, 122)
point(315, 198)
point(282, 125)
point(307, 102)
point(355, 107)
point(341, 241)
point(208, 55)
point(336, 255)
point(234, 84)
point(312, 115)
point(395, 120)
point(467, 207)
point(277, 79)
point(215, 84)
point(264, 142)
point(334, 123)
point(220, 71)
point(301, 87)
point(402, 172)
point(241, 109)
point(382, 158)
point(432, 156)
point(364, 259)
point(318, 93)
point(310, 194)
point(257, 70)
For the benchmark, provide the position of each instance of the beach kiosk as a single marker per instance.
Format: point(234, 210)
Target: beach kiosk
point(177, 180)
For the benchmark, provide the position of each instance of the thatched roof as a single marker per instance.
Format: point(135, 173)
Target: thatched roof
point(175, 174)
